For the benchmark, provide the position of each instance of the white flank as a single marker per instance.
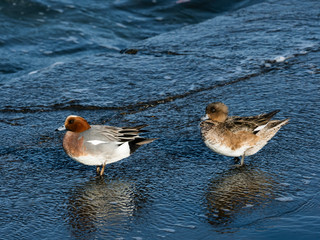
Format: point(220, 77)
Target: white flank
point(224, 150)
point(107, 157)
point(96, 142)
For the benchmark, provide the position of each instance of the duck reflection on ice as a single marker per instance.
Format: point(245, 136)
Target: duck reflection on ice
point(101, 205)
point(236, 192)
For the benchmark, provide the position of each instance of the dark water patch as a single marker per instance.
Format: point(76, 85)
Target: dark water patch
point(12, 122)
point(238, 192)
point(111, 203)
point(168, 12)
point(21, 9)
point(158, 54)
point(9, 68)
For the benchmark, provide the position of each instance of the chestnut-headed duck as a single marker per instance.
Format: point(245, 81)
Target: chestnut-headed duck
point(99, 145)
point(237, 136)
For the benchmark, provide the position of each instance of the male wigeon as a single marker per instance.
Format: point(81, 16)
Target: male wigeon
point(99, 145)
point(237, 136)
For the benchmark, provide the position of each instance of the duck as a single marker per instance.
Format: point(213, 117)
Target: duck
point(99, 145)
point(236, 136)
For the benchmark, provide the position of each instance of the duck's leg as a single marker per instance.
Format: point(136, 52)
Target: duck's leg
point(242, 160)
point(102, 169)
point(98, 170)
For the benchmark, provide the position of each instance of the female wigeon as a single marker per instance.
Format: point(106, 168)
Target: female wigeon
point(237, 136)
point(99, 144)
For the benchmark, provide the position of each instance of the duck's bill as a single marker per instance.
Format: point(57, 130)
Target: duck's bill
point(62, 128)
point(206, 117)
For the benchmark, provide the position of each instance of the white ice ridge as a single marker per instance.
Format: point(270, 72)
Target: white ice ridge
point(280, 59)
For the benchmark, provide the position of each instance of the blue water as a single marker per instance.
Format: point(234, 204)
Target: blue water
point(36, 34)
point(64, 57)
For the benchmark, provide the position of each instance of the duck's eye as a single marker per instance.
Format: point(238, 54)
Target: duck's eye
point(213, 110)
point(71, 121)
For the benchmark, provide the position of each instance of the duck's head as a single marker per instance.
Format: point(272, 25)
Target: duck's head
point(75, 124)
point(217, 111)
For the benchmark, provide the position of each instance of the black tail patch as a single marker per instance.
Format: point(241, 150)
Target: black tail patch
point(138, 142)
point(270, 114)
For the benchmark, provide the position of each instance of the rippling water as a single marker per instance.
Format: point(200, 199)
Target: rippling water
point(63, 57)
point(49, 31)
